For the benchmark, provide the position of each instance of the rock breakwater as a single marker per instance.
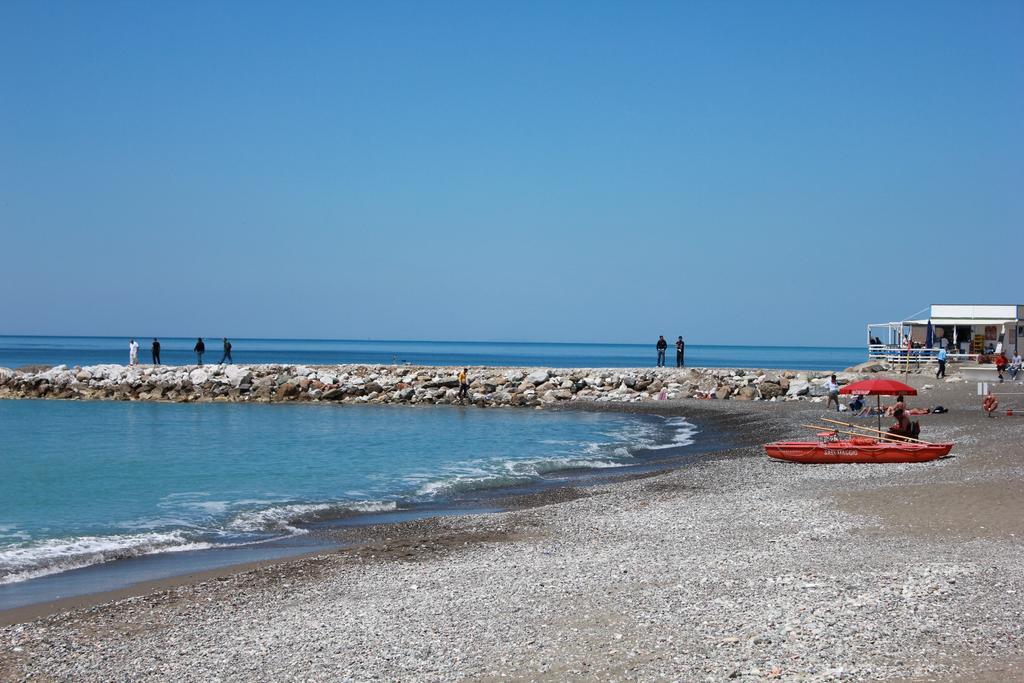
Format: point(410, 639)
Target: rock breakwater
point(408, 384)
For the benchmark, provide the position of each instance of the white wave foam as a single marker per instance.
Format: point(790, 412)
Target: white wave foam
point(684, 433)
point(284, 518)
point(39, 558)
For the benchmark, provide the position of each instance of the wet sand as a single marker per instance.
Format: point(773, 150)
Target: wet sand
point(734, 567)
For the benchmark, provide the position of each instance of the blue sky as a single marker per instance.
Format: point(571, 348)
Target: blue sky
point(736, 172)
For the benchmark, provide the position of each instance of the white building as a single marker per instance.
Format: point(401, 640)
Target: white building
point(965, 330)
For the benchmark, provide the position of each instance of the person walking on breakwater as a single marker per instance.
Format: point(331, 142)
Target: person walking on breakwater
point(155, 349)
point(942, 363)
point(833, 392)
point(464, 384)
point(227, 352)
point(661, 346)
point(133, 352)
point(200, 349)
point(680, 350)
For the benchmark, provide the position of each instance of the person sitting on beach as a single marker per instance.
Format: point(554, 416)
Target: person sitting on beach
point(1015, 365)
point(899, 405)
point(857, 404)
point(902, 426)
point(1000, 361)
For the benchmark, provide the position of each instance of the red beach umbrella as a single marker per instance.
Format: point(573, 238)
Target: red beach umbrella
point(878, 387)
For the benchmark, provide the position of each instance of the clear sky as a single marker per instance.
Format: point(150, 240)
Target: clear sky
point(735, 172)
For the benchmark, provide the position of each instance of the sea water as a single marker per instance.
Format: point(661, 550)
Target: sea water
point(70, 351)
point(86, 483)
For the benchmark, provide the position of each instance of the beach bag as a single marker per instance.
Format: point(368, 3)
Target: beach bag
point(938, 410)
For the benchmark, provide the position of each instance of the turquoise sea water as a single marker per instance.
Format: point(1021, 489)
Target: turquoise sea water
point(70, 351)
point(85, 483)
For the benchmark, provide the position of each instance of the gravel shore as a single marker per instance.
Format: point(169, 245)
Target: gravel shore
point(732, 567)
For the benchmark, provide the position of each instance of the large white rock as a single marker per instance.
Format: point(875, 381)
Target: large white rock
point(538, 376)
point(198, 376)
point(798, 388)
point(237, 375)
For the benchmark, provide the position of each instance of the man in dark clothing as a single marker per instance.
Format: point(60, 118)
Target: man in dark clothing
point(200, 349)
point(156, 351)
point(227, 352)
point(661, 346)
point(680, 349)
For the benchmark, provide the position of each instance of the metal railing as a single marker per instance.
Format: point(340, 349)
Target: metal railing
point(895, 354)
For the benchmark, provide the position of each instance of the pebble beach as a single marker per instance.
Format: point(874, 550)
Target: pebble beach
point(733, 567)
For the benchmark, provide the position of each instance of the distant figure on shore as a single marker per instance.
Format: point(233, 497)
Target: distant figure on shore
point(1015, 365)
point(464, 384)
point(200, 349)
point(227, 352)
point(833, 392)
point(133, 352)
point(680, 350)
point(942, 362)
point(156, 351)
point(661, 346)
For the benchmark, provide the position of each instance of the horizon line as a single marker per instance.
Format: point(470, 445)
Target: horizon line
point(427, 341)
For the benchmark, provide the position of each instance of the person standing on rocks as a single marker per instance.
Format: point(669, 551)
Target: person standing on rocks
point(200, 349)
point(155, 349)
point(833, 392)
point(227, 352)
point(662, 345)
point(680, 350)
point(133, 352)
point(464, 384)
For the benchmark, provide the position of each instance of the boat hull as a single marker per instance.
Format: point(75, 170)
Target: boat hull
point(831, 452)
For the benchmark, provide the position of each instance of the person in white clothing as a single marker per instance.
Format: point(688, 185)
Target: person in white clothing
point(133, 352)
point(1015, 365)
point(833, 392)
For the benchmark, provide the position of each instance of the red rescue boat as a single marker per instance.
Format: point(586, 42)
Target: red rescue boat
point(855, 450)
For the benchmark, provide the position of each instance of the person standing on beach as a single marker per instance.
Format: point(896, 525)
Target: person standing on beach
point(156, 351)
point(227, 352)
point(464, 384)
point(200, 349)
point(133, 352)
point(833, 392)
point(661, 346)
point(680, 349)
point(942, 363)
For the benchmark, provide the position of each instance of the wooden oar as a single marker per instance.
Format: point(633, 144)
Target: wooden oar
point(890, 438)
point(868, 431)
point(877, 431)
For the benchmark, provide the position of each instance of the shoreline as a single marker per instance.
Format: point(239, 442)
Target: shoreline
point(732, 567)
point(350, 534)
